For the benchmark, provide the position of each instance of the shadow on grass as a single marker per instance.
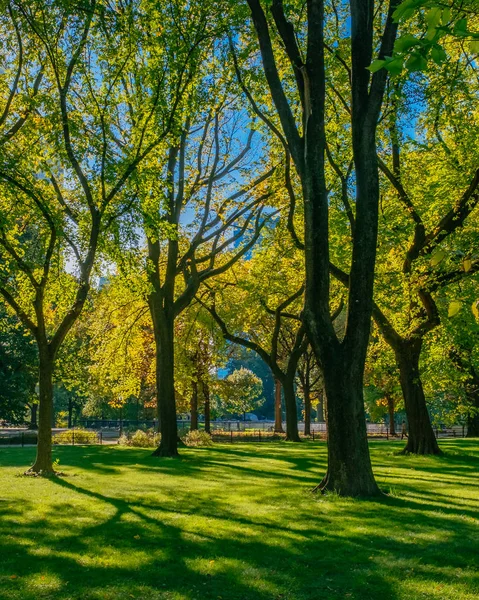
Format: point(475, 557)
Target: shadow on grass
point(227, 522)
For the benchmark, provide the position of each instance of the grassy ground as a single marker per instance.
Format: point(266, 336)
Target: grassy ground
point(238, 523)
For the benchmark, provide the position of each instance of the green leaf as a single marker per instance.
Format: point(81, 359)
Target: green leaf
point(433, 17)
point(405, 10)
point(417, 62)
point(454, 307)
point(446, 16)
point(394, 66)
point(460, 27)
point(376, 65)
point(405, 42)
point(438, 54)
point(437, 257)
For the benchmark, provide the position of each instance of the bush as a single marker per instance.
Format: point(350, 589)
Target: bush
point(198, 438)
point(77, 436)
point(140, 439)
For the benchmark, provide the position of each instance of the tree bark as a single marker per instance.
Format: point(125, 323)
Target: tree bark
point(278, 416)
point(473, 425)
point(320, 407)
point(70, 412)
point(392, 425)
point(421, 438)
point(473, 419)
point(194, 407)
point(43, 462)
point(307, 410)
point(163, 326)
point(349, 471)
point(33, 416)
point(292, 433)
point(349, 466)
point(206, 394)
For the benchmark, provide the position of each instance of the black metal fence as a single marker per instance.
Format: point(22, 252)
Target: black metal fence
point(68, 437)
point(226, 433)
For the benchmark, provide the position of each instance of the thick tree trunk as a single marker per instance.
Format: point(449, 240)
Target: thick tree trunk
point(307, 410)
point(349, 465)
point(43, 463)
point(320, 408)
point(473, 419)
point(421, 438)
point(473, 426)
point(33, 416)
point(206, 394)
point(194, 407)
point(292, 433)
point(390, 401)
point(164, 331)
point(278, 415)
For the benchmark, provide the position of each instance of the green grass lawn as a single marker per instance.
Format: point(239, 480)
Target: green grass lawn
point(238, 522)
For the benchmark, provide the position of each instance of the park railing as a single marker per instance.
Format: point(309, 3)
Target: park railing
point(226, 432)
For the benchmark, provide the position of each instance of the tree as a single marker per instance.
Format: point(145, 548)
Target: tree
point(303, 135)
point(311, 384)
point(258, 307)
point(201, 222)
point(240, 391)
point(68, 152)
point(434, 239)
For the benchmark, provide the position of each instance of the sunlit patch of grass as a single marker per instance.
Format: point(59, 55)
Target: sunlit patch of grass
point(238, 522)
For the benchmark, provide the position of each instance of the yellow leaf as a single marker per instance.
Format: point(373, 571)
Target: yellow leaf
point(467, 264)
point(454, 307)
point(137, 537)
point(475, 309)
point(437, 257)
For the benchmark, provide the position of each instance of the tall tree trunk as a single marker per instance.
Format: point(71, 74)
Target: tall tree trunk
point(278, 415)
point(70, 412)
point(292, 433)
point(473, 425)
point(349, 466)
point(43, 462)
point(421, 438)
point(194, 407)
point(164, 331)
point(206, 394)
point(307, 410)
point(320, 407)
point(33, 416)
point(473, 419)
point(392, 427)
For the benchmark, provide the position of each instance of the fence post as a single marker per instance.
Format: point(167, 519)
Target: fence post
point(73, 436)
point(259, 435)
point(387, 433)
point(463, 431)
point(101, 438)
point(23, 439)
point(231, 436)
point(312, 431)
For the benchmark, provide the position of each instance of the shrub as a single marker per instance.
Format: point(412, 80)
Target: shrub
point(77, 436)
point(198, 438)
point(140, 439)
